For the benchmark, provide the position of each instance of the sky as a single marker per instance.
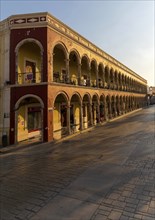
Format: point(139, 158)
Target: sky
point(123, 29)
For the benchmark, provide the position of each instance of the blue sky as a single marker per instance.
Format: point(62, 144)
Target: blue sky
point(123, 29)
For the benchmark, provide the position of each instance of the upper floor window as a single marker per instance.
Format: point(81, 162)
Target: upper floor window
point(30, 73)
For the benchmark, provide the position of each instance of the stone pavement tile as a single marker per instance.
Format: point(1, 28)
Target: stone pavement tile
point(100, 217)
point(105, 208)
point(124, 217)
point(66, 208)
point(131, 205)
point(148, 218)
point(115, 215)
point(138, 216)
point(129, 209)
point(105, 213)
point(151, 211)
point(82, 194)
point(23, 215)
point(142, 208)
point(143, 197)
point(118, 204)
point(132, 201)
point(126, 193)
point(114, 196)
point(6, 216)
point(152, 204)
point(107, 201)
point(129, 214)
point(35, 209)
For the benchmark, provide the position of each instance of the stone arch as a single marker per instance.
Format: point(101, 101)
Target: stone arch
point(111, 78)
point(116, 79)
point(121, 105)
point(123, 82)
point(75, 112)
point(85, 56)
point(60, 63)
point(113, 106)
point(107, 77)
point(60, 115)
point(127, 103)
point(29, 40)
point(95, 109)
point(87, 110)
point(117, 105)
point(108, 107)
point(64, 94)
point(74, 64)
point(76, 52)
point(93, 73)
point(102, 108)
point(60, 44)
point(120, 81)
point(29, 64)
point(27, 96)
point(101, 75)
point(29, 118)
point(85, 70)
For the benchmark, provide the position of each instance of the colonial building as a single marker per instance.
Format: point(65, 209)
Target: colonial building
point(54, 82)
point(151, 95)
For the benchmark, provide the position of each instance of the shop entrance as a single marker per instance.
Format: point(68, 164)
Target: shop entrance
point(29, 121)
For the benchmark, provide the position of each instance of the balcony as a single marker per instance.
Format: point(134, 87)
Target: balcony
point(28, 78)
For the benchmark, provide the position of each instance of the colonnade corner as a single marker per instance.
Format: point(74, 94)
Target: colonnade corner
point(55, 83)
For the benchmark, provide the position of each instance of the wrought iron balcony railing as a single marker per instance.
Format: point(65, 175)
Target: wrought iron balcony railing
point(28, 78)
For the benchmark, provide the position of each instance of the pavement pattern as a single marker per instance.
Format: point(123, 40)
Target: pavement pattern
point(107, 173)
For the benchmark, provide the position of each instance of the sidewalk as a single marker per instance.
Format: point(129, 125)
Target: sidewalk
point(32, 142)
point(21, 145)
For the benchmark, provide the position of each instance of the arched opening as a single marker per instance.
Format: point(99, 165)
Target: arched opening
point(108, 107)
point(85, 75)
point(130, 108)
point(127, 104)
point(60, 117)
point(128, 82)
point(111, 78)
point(123, 82)
point(75, 113)
point(29, 62)
point(86, 108)
point(117, 105)
point(119, 81)
point(93, 73)
point(107, 77)
point(133, 103)
point(102, 109)
point(29, 118)
point(100, 76)
point(95, 110)
point(116, 80)
point(113, 107)
point(59, 64)
point(121, 105)
point(73, 68)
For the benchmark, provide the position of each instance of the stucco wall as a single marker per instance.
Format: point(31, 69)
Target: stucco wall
point(4, 78)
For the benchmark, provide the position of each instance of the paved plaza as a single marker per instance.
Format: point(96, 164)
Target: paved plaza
point(107, 173)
